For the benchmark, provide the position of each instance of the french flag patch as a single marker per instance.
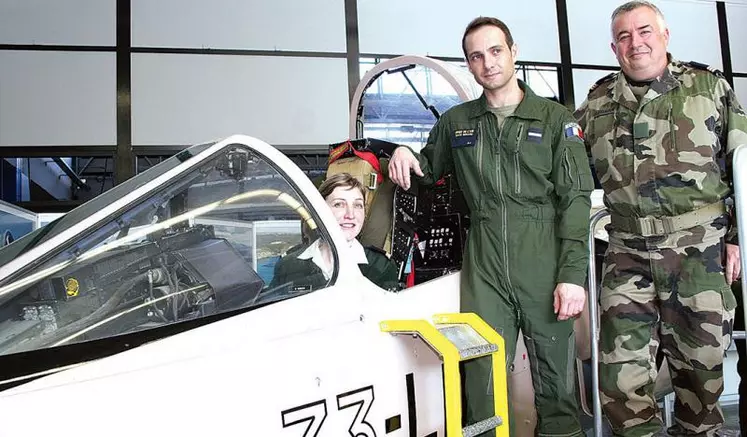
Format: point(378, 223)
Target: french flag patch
point(573, 130)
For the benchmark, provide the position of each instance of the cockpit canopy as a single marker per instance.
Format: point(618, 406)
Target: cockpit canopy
point(197, 235)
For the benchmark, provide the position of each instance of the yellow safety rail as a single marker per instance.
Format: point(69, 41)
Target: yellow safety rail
point(491, 345)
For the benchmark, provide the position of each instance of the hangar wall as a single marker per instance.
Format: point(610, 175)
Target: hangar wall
point(274, 72)
point(138, 74)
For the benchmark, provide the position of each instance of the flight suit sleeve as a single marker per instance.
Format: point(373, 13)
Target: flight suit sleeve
point(435, 158)
point(571, 176)
point(388, 278)
point(733, 134)
point(380, 269)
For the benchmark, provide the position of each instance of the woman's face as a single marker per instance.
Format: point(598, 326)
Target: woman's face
point(349, 209)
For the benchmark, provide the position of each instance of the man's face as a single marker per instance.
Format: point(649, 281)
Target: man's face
point(489, 58)
point(640, 44)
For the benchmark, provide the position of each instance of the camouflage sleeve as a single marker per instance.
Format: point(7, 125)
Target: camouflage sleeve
point(435, 158)
point(733, 134)
point(573, 183)
point(580, 115)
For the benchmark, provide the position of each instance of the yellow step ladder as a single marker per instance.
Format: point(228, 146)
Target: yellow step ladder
point(456, 338)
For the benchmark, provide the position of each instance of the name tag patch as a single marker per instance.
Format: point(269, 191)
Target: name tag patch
point(534, 135)
point(640, 130)
point(463, 138)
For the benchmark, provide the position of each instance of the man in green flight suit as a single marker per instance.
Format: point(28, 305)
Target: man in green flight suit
point(662, 133)
point(521, 162)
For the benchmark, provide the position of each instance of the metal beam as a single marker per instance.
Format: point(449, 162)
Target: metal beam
point(236, 52)
point(54, 48)
point(723, 32)
point(353, 46)
point(596, 67)
point(124, 167)
point(565, 79)
point(50, 151)
point(74, 178)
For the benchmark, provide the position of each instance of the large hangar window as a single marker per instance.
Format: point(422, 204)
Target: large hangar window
point(31, 180)
point(397, 105)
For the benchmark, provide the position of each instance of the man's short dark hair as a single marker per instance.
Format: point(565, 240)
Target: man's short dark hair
point(633, 5)
point(486, 21)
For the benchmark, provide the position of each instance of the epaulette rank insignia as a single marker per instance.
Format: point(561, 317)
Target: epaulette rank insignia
point(603, 80)
point(700, 66)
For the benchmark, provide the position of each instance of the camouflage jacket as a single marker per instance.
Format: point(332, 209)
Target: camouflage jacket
point(671, 153)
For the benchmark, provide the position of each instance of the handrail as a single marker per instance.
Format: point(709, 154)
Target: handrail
point(594, 323)
point(740, 201)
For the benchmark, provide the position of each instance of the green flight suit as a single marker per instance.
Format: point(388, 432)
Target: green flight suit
point(527, 186)
point(303, 275)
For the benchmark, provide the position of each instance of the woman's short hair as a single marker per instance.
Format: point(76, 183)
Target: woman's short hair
point(344, 180)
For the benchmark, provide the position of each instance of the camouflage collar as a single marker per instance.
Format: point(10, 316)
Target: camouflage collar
point(529, 107)
point(621, 93)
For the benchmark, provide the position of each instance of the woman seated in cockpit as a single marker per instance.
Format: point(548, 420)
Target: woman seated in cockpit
point(310, 266)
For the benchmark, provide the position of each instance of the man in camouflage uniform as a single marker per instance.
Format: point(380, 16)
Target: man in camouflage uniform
point(662, 134)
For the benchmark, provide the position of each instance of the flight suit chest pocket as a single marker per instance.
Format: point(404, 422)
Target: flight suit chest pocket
point(533, 147)
point(463, 138)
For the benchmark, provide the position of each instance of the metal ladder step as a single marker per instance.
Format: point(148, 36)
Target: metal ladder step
point(468, 341)
point(482, 426)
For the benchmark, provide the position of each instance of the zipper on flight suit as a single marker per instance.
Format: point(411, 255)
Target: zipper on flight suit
point(480, 139)
point(517, 173)
point(504, 215)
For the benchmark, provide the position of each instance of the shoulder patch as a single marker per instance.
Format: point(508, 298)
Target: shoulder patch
point(699, 66)
point(573, 130)
point(608, 78)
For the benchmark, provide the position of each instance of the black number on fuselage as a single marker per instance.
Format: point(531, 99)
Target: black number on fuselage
point(314, 413)
point(362, 398)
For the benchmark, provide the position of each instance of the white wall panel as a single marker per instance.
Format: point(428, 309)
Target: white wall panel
point(186, 99)
point(317, 25)
point(589, 30)
point(583, 80)
point(736, 16)
point(435, 27)
point(693, 27)
point(55, 98)
point(740, 88)
point(68, 22)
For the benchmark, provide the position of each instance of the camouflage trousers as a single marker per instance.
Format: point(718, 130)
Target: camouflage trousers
point(664, 294)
